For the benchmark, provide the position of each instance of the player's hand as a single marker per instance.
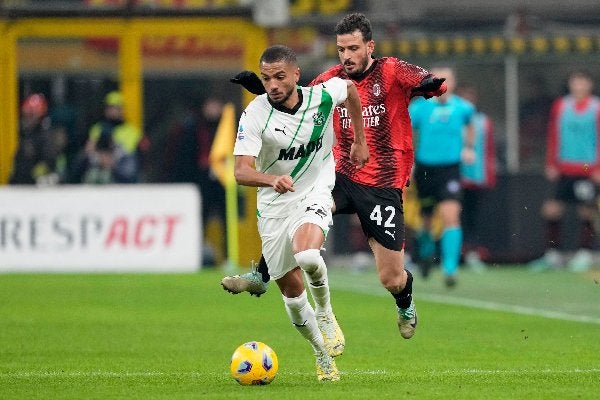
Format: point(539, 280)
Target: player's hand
point(282, 184)
point(359, 154)
point(250, 81)
point(596, 177)
point(430, 86)
point(468, 155)
point(552, 173)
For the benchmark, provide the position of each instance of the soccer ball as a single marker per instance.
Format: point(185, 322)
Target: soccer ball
point(254, 363)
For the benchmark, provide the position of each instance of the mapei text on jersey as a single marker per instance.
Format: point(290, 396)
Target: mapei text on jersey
point(301, 151)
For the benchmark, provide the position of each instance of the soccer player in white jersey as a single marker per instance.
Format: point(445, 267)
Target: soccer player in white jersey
point(284, 147)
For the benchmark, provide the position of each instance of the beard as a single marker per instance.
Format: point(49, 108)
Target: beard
point(284, 98)
point(358, 68)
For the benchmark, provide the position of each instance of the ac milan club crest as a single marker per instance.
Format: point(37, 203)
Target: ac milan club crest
point(376, 89)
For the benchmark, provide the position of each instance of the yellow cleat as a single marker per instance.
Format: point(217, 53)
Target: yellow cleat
point(326, 368)
point(332, 334)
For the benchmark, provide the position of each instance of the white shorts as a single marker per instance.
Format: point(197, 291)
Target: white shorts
point(277, 233)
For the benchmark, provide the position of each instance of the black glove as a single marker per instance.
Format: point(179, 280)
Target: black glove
point(429, 84)
point(249, 81)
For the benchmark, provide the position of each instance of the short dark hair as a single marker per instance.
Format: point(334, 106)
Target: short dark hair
point(277, 53)
point(352, 22)
point(580, 73)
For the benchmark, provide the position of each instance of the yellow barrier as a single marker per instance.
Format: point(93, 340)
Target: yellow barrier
point(129, 32)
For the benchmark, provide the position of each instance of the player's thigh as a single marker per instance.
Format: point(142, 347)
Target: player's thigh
point(448, 184)
point(308, 236)
point(276, 245)
point(381, 215)
point(553, 209)
point(426, 181)
point(310, 223)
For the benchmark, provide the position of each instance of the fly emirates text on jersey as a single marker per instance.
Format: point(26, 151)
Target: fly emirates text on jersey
point(370, 115)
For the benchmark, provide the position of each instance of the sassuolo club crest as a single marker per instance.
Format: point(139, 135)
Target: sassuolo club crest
point(318, 118)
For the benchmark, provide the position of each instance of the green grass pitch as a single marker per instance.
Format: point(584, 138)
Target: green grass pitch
point(504, 334)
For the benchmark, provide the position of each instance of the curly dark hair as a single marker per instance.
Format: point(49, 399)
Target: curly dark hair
point(353, 22)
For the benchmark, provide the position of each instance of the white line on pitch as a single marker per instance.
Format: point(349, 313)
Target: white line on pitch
point(92, 374)
point(356, 372)
point(481, 304)
point(544, 371)
point(490, 305)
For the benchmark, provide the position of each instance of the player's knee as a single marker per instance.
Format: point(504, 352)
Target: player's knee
point(392, 286)
point(309, 260)
point(393, 283)
point(552, 210)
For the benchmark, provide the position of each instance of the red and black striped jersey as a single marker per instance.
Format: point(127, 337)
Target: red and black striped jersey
point(385, 90)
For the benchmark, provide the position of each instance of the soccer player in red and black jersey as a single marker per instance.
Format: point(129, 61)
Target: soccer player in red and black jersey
point(374, 192)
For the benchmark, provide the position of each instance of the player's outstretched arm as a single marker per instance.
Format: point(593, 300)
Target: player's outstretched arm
point(250, 81)
point(430, 86)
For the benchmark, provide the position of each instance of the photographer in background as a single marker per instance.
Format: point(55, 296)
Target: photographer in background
point(39, 157)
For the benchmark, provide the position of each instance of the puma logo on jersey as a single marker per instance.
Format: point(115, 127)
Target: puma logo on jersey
point(281, 130)
point(294, 153)
point(393, 235)
point(317, 210)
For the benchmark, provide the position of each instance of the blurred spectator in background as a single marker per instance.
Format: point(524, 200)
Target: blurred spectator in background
point(187, 161)
point(444, 137)
point(187, 155)
point(112, 134)
point(573, 168)
point(39, 158)
point(109, 163)
point(521, 22)
point(533, 121)
point(478, 178)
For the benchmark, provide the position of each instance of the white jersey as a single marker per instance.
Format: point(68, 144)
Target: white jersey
point(294, 142)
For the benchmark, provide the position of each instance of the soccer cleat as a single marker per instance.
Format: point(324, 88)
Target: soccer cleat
point(551, 260)
point(326, 368)
point(473, 261)
point(407, 320)
point(250, 282)
point(582, 261)
point(332, 334)
point(450, 281)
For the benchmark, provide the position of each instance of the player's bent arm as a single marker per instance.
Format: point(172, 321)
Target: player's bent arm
point(359, 152)
point(245, 174)
point(430, 86)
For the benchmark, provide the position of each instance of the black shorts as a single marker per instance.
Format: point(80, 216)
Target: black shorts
point(576, 190)
point(435, 184)
point(379, 210)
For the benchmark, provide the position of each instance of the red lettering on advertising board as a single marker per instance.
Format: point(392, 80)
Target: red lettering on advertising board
point(117, 232)
point(170, 221)
point(146, 242)
point(142, 232)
